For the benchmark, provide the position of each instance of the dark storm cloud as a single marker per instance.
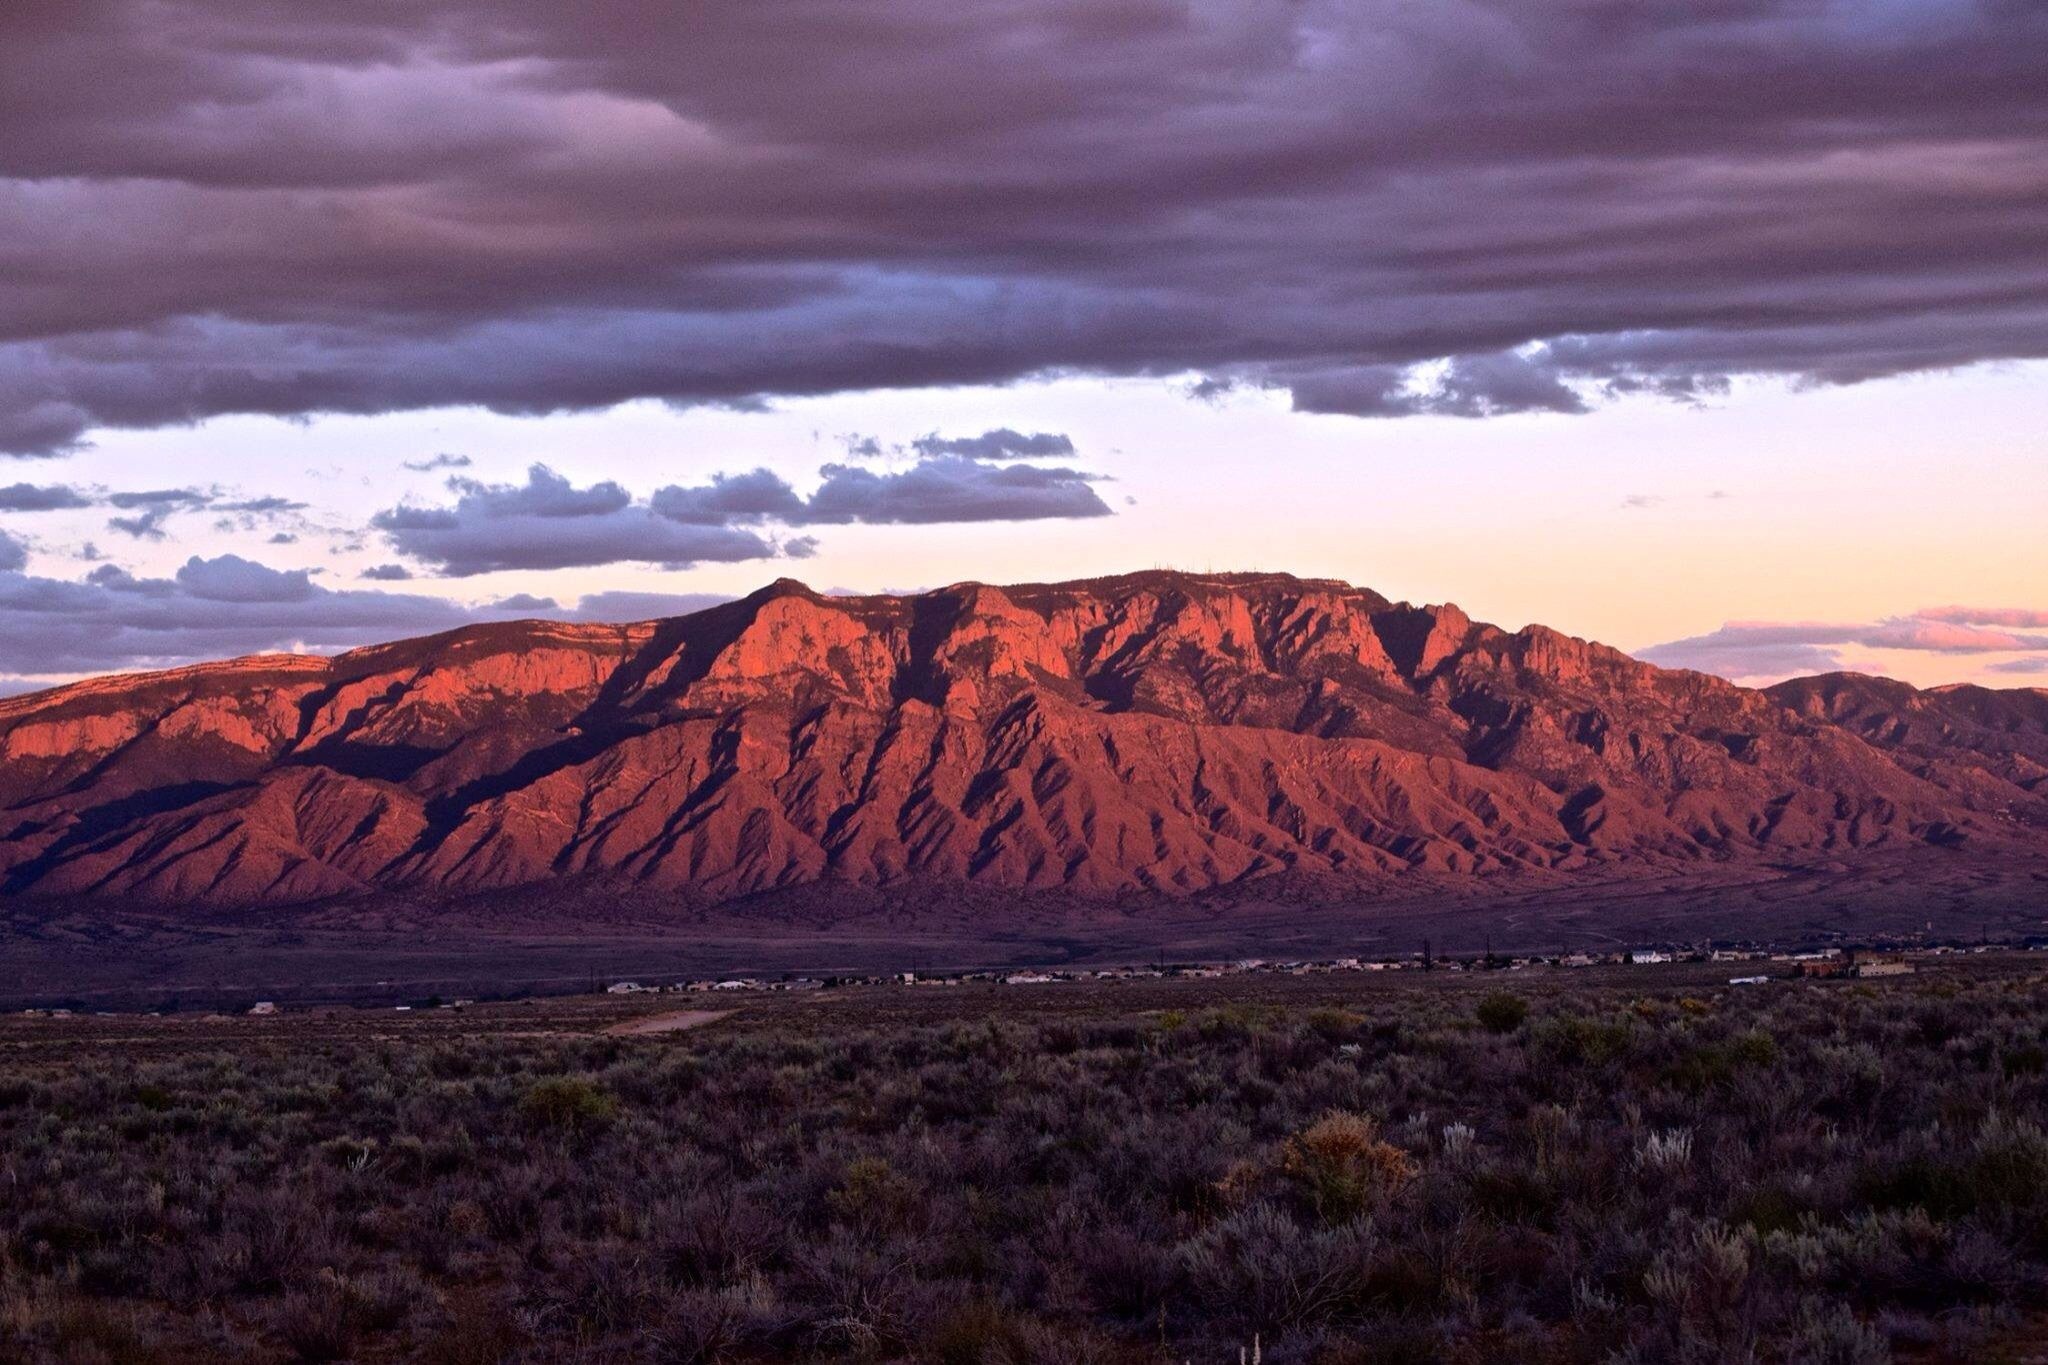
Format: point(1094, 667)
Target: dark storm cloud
point(28, 497)
point(1757, 649)
point(537, 206)
point(1466, 386)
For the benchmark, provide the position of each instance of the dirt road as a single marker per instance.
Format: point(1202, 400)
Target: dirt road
point(673, 1022)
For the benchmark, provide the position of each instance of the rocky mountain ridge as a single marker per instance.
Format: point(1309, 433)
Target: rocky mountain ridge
point(1154, 734)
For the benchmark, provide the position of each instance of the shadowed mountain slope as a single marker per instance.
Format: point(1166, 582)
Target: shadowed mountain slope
point(1157, 733)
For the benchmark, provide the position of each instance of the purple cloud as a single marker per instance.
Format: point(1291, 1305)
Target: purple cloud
point(999, 444)
point(226, 606)
point(1771, 649)
point(28, 497)
point(953, 488)
point(548, 523)
point(758, 495)
point(1457, 209)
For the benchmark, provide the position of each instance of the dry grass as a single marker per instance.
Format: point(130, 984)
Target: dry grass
point(1644, 1167)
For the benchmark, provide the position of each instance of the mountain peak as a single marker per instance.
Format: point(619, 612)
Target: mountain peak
point(1154, 734)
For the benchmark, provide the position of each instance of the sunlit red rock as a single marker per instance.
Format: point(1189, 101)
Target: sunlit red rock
point(1152, 734)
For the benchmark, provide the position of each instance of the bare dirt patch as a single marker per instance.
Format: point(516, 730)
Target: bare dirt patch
point(675, 1021)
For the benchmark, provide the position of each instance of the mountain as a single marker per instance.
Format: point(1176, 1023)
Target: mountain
point(1158, 734)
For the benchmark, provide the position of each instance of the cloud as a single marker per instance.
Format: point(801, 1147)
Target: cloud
point(999, 444)
point(260, 507)
point(429, 465)
point(228, 606)
point(28, 497)
point(153, 507)
point(2014, 617)
point(387, 573)
point(643, 606)
point(230, 578)
point(147, 525)
point(758, 495)
point(544, 494)
point(13, 554)
point(1463, 386)
point(1744, 650)
point(1743, 662)
point(211, 608)
point(952, 488)
point(547, 523)
point(526, 604)
point(160, 497)
point(613, 606)
point(1464, 209)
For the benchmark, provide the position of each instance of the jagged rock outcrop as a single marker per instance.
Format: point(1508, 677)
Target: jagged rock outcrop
point(1156, 733)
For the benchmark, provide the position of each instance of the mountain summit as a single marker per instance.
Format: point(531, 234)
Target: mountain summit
point(1152, 734)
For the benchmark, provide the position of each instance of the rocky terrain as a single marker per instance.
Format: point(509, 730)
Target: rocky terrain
point(1155, 735)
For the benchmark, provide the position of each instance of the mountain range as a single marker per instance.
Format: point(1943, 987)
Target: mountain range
point(1153, 735)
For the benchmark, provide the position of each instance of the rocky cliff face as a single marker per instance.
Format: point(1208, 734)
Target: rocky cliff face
point(1157, 733)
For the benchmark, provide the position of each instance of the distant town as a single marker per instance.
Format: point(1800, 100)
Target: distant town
point(1749, 965)
point(1757, 965)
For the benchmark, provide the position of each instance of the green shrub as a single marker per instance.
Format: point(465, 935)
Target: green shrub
point(1502, 1012)
point(567, 1103)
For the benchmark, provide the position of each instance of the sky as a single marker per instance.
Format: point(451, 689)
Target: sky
point(1713, 329)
